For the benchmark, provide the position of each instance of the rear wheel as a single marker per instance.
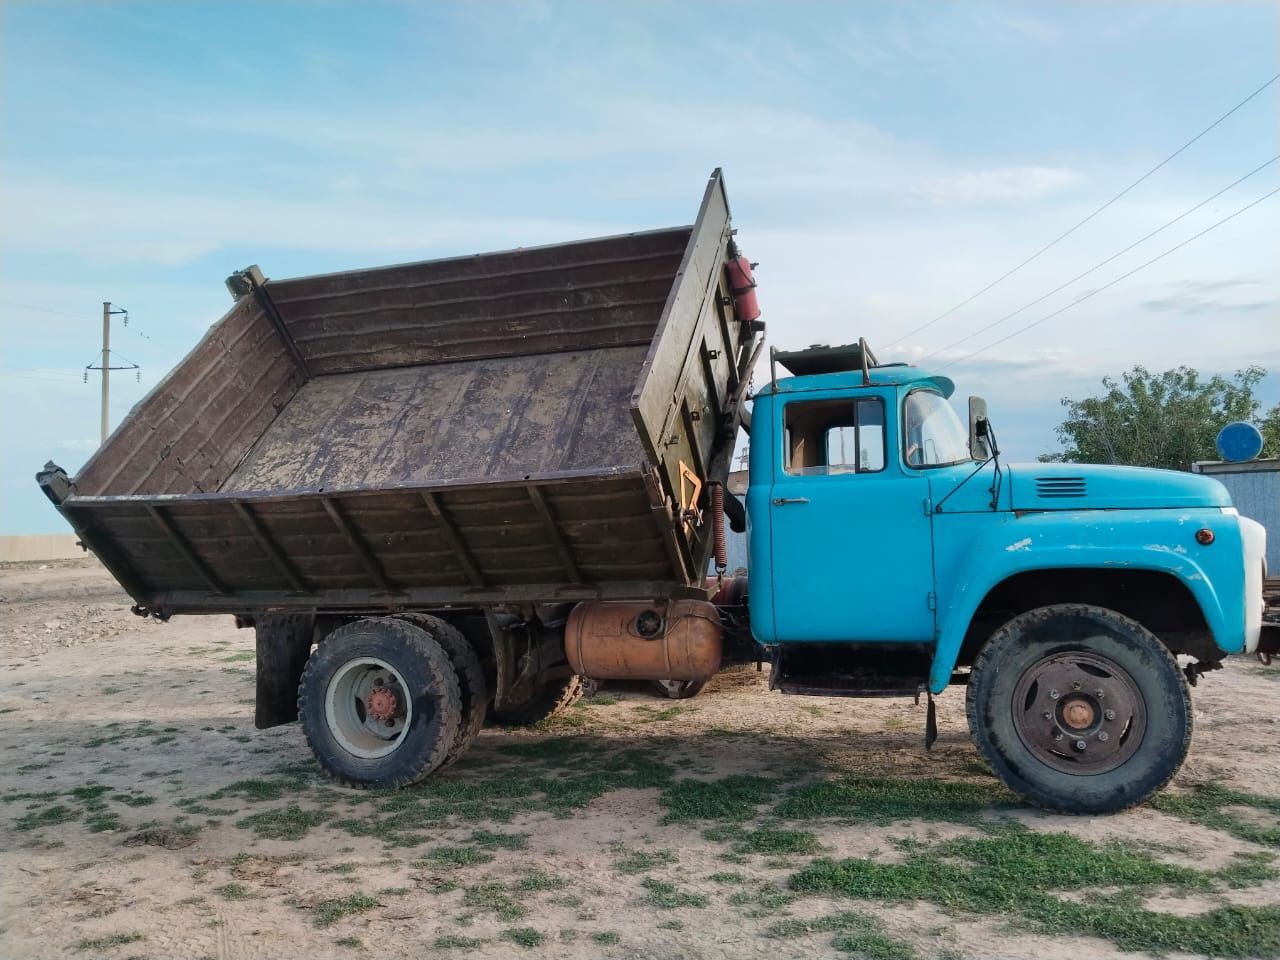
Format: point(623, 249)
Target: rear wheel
point(379, 703)
point(545, 701)
point(678, 689)
point(1079, 709)
point(472, 690)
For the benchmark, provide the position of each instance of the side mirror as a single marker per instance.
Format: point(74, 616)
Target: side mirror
point(979, 445)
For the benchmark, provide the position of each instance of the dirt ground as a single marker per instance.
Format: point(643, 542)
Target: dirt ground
point(144, 816)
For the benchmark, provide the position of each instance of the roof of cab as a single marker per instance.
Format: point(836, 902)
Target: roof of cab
point(880, 376)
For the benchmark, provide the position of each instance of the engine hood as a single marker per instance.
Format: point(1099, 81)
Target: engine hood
point(1077, 486)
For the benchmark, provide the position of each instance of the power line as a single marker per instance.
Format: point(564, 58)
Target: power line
point(1112, 283)
point(56, 313)
point(73, 316)
point(1102, 263)
point(1063, 236)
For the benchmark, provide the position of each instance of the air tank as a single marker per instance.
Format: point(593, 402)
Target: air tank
point(672, 640)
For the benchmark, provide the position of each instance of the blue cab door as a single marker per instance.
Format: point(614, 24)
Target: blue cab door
point(851, 535)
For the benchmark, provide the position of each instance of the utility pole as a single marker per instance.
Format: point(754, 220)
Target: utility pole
point(106, 364)
point(106, 367)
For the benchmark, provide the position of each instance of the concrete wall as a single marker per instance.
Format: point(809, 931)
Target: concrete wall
point(45, 546)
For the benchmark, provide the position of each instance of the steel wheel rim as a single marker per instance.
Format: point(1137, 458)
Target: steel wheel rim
point(358, 728)
point(1079, 712)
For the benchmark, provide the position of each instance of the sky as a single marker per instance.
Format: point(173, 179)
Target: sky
point(884, 162)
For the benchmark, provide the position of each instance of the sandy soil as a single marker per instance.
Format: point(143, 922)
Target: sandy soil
point(161, 715)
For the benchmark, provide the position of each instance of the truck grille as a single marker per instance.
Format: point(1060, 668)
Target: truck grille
point(1058, 488)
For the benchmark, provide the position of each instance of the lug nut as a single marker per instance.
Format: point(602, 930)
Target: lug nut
point(1104, 736)
point(1076, 685)
point(389, 722)
point(1099, 694)
point(377, 681)
point(1057, 734)
point(1053, 694)
point(1048, 715)
point(1110, 714)
point(1080, 744)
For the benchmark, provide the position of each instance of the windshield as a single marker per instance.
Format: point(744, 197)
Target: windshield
point(934, 435)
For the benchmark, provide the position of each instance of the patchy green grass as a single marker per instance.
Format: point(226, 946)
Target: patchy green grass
point(883, 800)
point(526, 937)
point(134, 799)
point(606, 938)
point(1206, 805)
point(234, 891)
point(667, 896)
point(537, 880)
point(728, 878)
point(459, 856)
point(453, 941)
point(599, 700)
point(349, 942)
point(642, 861)
point(652, 715)
point(506, 841)
point(777, 842)
point(258, 790)
point(50, 816)
point(856, 933)
point(329, 912)
point(410, 817)
point(107, 942)
point(495, 897)
point(733, 798)
point(1019, 872)
point(287, 823)
point(1248, 870)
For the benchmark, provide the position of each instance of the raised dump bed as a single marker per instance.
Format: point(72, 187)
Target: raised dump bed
point(534, 425)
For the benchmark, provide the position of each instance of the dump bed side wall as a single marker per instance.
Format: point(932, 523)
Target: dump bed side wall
point(567, 537)
point(194, 428)
point(597, 293)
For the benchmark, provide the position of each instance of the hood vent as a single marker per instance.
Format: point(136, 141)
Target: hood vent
point(1059, 488)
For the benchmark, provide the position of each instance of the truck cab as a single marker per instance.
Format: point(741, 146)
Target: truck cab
point(893, 552)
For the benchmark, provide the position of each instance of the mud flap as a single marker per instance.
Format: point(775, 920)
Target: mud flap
point(283, 645)
point(930, 725)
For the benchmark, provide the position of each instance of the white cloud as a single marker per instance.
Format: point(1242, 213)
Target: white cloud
point(1001, 185)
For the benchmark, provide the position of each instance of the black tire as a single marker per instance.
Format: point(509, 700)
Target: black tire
point(472, 689)
point(1133, 759)
point(431, 689)
point(553, 697)
point(678, 689)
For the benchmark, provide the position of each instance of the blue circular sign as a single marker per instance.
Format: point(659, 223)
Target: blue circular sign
point(1239, 441)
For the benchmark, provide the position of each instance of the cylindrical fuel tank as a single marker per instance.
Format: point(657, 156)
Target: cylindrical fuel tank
point(620, 640)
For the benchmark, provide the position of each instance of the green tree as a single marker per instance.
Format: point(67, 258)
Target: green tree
point(1270, 427)
point(1165, 420)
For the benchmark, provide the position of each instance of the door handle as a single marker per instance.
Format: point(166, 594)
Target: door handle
point(782, 501)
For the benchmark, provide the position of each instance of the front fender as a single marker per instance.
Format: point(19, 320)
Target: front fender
point(1156, 540)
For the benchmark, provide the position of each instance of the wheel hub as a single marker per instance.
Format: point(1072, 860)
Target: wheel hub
point(367, 707)
point(381, 703)
point(1079, 712)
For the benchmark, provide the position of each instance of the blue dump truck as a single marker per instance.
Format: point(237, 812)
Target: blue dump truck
point(462, 489)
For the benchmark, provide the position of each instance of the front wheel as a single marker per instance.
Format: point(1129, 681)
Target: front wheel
point(379, 703)
point(1079, 709)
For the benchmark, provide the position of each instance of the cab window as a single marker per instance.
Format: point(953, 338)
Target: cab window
point(827, 437)
point(932, 435)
